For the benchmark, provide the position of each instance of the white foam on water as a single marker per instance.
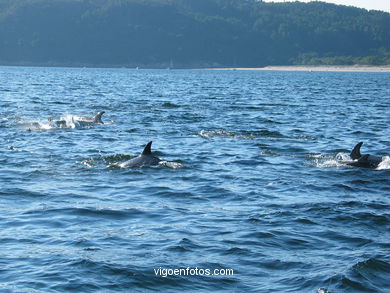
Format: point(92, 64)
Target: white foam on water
point(385, 164)
point(216, 133)
point(328, 161)
point(172, 165)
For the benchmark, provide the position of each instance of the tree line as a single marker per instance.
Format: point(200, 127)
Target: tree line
point(190, 33)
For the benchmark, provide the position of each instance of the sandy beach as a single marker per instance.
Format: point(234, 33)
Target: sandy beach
point(340, 68)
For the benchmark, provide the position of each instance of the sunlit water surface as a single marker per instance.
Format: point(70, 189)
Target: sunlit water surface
point(254, 179)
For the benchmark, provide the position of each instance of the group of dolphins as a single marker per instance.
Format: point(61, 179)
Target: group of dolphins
point(146, 158)
point(79, 120)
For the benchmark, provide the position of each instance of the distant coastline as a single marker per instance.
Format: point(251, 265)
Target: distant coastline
point(172, 34)
point(330, 68)
point(336, 68)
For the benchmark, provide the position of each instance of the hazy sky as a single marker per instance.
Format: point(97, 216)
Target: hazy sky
point(368, 4)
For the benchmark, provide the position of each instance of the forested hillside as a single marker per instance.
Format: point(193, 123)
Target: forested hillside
point(189, 33)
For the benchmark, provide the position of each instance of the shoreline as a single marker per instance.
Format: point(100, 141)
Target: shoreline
point(309, 68)
point(306, 68)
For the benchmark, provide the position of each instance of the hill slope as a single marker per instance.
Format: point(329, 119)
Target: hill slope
point(189, 33)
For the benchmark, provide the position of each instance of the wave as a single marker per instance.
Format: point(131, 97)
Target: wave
point(170, 105)
point(245, 134)
point(20, 192)
point(101, 213)
point(370, 275)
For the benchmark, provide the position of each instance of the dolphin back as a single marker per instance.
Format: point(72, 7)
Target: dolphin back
point(367, 161)
point(145, 159)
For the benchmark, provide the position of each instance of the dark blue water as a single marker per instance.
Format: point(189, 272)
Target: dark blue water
point(254, 182)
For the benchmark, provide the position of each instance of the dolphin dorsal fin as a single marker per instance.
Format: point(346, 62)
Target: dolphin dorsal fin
point(147, 149)
point(355, 154)
point(98, 117)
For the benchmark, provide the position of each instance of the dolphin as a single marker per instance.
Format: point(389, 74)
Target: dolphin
point(57, 123)
point(96, 119)
point(87, 120)
point(144, 159)
point(364, 161)
point(73, 121)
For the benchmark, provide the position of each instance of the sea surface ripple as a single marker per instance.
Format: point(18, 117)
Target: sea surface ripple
point(254, 180)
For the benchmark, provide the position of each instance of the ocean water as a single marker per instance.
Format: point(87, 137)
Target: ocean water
point(254, 193)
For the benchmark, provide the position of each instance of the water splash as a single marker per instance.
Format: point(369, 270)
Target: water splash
point(15, 149)
point(343, 160)
point(167, 164)
point(214, 133)
point(172, 165)
point(330, 161)
point(119, 161)
point(35, 125)
point(385, 164)
point(106, 161)
point(65, 122)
